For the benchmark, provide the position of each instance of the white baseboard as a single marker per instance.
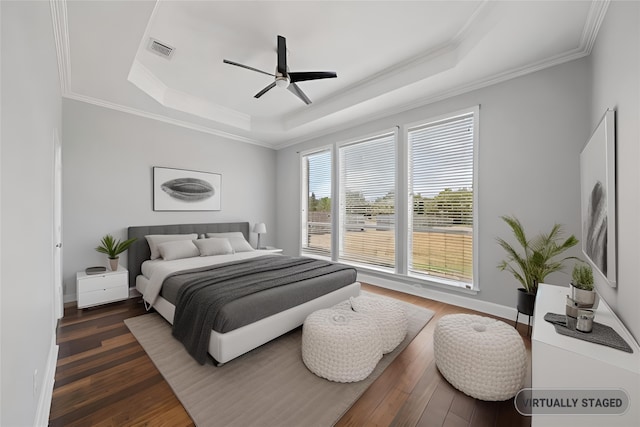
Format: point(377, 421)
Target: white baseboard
point(46, 390)
point(449, 298)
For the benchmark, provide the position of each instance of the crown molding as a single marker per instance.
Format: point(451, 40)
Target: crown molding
point(426, 56)
point(149, 83)
point(475, 16)
point(61, 36)
point(459, 90)
point(159, 117)
point(431, 61)
point(594, 20)
point(596, 15)
point(593, 23)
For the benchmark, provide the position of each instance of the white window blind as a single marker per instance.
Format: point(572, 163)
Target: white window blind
point(367, 202)
point(316, 204)
point(441, 203)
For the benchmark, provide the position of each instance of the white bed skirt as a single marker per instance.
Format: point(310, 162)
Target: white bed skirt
point(228, 346)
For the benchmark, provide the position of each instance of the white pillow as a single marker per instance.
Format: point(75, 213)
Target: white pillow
point(239, 244)
point(237, 240)
point(227, 234)
point(213, 246)
point(155, 239)
point(178, 249)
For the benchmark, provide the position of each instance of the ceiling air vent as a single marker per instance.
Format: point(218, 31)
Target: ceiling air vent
point(161, 49)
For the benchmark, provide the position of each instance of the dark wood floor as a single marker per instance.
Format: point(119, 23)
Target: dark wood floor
point(104, 377)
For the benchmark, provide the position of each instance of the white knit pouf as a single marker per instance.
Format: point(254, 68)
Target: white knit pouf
point(482, 357)
point(343, 305)
point(388, 315)
point(340, 345)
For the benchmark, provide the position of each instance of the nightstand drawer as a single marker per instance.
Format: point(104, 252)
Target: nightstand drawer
point(102, 296)
point(101, 281)
point(102, 288)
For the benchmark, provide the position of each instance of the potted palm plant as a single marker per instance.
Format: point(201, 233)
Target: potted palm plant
point(112, 248)
point(534, 259)
point(582, 285)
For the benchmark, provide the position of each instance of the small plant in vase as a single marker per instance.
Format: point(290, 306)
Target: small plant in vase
point(582, 285)
point(112, 248)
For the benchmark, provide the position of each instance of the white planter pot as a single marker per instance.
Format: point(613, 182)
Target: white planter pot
point(582, 297)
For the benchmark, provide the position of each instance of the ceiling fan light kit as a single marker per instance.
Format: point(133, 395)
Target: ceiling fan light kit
point(282, 82)
point(284, 78)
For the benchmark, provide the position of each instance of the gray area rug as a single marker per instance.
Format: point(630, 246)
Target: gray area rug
point(269, 386)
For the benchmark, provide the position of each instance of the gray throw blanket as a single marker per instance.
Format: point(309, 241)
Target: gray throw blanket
point(202, 295)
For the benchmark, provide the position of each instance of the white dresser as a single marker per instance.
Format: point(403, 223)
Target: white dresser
point(562, 362)
point(102, 288)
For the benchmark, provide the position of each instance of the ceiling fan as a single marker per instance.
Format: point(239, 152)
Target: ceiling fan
point(284, 78)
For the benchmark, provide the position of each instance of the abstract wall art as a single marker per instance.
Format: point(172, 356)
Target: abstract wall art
point(185, 190)
point(598, 198)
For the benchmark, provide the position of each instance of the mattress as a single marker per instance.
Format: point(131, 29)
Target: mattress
point(150, 268)
point(263, 304)
point(255, 307)
point(157, 270)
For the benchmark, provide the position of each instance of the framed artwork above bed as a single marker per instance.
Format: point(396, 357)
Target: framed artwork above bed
point(185, 190)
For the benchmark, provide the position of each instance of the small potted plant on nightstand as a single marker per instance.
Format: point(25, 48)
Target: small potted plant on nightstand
point(112, 248)
point(582, 285)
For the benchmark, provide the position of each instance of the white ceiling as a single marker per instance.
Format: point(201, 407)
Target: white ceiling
point(389, 56)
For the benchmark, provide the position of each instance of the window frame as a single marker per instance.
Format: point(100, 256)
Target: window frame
point(304, 195)
point(337, 237)
point(449, 283)
point(474, 111)
point(403, 211)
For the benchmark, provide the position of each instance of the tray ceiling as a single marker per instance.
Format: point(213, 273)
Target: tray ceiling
point(389, 56)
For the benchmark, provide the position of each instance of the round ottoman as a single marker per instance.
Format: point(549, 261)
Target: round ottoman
point(388, 315)
point(482, 357)
point(340, 345)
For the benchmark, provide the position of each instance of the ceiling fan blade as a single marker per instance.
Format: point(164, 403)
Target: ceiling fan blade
point(265, 90)
point(226, 61)
point(311, 75)
point(294, 89)
point(282, 55)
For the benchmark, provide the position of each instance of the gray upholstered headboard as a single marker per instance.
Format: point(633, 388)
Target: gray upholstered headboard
point(140, 252)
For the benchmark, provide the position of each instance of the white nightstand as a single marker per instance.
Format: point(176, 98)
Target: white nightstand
point(271, 249)
point(102, 288)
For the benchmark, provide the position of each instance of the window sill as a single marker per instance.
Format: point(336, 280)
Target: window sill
point(316, 256)
point(413, 281)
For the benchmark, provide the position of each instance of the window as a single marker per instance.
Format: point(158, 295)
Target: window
point(402, 202)
point(441, 198)
point(316, 204)
point(367, 202)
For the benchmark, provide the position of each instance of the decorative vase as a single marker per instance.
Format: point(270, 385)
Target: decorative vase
point(582, 297)
point(113, 263)
point(526, 302)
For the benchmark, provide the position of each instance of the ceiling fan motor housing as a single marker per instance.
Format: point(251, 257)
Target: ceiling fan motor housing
point(282, 81)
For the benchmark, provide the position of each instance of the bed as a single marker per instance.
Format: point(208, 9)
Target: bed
point(265, 315)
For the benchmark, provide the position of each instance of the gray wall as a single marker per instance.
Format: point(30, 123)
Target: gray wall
point(30, 113)
point(107, 179)
point(615, 62)
point(532, 129)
